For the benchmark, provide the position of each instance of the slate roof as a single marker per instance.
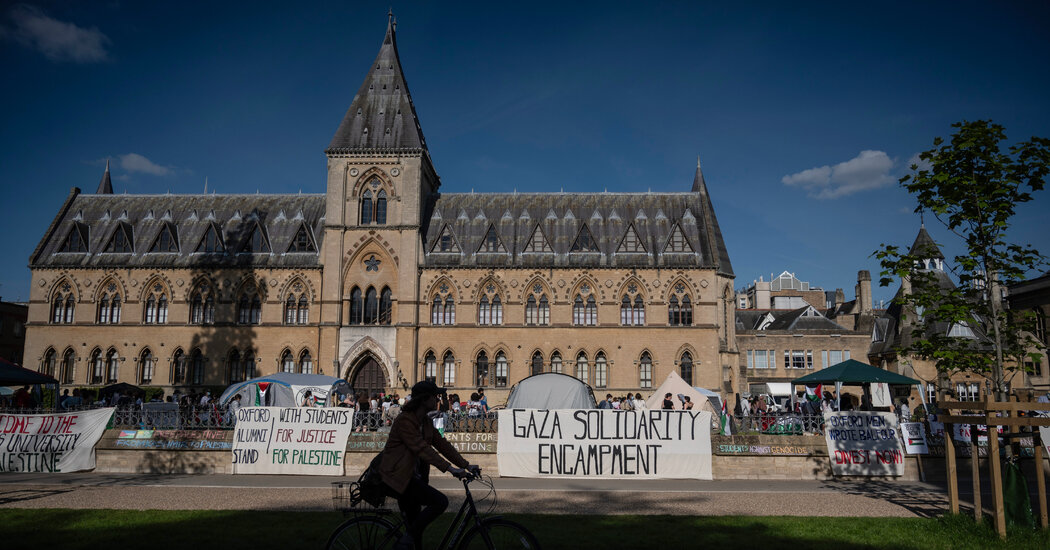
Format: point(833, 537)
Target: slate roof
point(653, 217)
point(924, 246)
point(787, 320)
point(190, 216)
point(382, 117)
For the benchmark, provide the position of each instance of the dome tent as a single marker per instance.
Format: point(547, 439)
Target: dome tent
point(285, 389)
point(551, 390)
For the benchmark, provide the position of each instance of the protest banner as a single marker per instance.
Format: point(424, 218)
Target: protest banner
point(61, 442)
point(278, 440)
point(914, 435)
point(863, 443)
point(604, 444)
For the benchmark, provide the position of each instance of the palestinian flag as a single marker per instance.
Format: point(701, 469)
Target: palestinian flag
point(726, 430)
point(260, 393)
point(814, 393)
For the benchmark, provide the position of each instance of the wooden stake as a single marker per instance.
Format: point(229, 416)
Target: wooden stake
point(975, 468)
point(997, 475)
point(953, 478)
point(1040, 481)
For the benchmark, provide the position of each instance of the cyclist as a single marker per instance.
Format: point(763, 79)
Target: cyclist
point(412, 447)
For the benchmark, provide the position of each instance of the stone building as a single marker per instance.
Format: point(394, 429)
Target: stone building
point(779, 345)
point(12, 330)
point(385, 280)
point(893, 331)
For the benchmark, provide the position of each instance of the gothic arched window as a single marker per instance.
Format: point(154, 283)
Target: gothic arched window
point(537, 363)
point(556, 362)
point(449, 370)
point(501, 370)
point(430, 367)
point(582, 367)
point(601, 371)
point(357, 307)
point(287, 363)
point(147, 367)
point(306, 362)
point(371, 306)
point(385, 305)
point(645, 371)
point(481, 369)
point(366, 208)
point(686, 368)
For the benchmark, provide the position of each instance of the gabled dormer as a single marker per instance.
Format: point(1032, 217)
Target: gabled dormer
point(630, 243)
point(446, 241)
point(211, 242)
point(492, 243)
point(120, 242)
point(584, 241)
point(303, 241)
point(256, 242)
point(538, 242)
point(677, 242)
point(927, 250)
point(76, 240)
point(167, 239)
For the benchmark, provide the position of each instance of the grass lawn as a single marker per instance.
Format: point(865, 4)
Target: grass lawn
point(158, 530)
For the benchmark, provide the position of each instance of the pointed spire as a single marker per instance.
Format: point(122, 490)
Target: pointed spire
point(105, 187)
point(925, 246)
point(381, 116)
point(714, 250)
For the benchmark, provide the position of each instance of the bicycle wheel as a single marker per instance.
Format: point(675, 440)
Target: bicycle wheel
point(364, 533)
point(501, 534)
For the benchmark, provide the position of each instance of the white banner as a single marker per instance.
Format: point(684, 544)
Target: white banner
point(914, 434)
point(604, 443)
point(62, 442)
point(863, 443)
point(304, 440)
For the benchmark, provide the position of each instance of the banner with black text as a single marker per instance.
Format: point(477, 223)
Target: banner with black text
point(863, 443)
point(61, 442)
point(278, 440)
point(604, 444)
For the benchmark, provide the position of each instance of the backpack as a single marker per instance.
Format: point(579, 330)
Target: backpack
point(370, 484)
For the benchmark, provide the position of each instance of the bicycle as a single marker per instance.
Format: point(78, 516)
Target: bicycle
point(371, 530)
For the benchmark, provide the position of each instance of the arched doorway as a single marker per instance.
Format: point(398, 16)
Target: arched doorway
point(368, 378)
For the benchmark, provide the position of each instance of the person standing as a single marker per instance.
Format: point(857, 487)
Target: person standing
point(668, 404)
point(606, 403)
point(412, 447)
point(483, 401)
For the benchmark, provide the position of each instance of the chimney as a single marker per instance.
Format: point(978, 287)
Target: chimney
point(762, 297)
point(863, 291)
point(840, 297)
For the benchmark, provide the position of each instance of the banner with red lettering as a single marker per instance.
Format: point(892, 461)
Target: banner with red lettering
point(62, 442)
point(279, 440)
point(863, 443)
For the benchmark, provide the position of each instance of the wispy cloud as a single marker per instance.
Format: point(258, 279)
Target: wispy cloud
point(57, 40)
point(134, 162)
point(868, 170)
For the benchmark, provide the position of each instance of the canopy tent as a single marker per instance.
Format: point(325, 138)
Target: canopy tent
point(285, 389)
point(14, 375)
point(854, 372)
point(551, 390)
point(674, 384)
point(124, 388)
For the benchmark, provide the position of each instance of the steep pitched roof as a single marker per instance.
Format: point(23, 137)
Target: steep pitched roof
point(925, 246)
point(146, 216)
point(713, 234)
point(561, 217)
point(381, 117)
point(105, 186)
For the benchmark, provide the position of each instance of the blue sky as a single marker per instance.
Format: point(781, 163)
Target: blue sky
point(804, 115)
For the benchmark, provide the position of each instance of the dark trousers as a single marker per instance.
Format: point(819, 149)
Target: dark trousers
point(420, 504)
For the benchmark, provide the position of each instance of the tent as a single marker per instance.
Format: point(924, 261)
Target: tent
point(853, 372)
point(285, 389)
point(674, 384)
point(551, 390)
point(14, 375)
point(124, 388)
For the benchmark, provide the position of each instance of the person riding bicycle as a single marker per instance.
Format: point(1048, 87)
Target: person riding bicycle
point(412, 447)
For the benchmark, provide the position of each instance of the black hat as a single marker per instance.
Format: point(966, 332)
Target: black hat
point(425, 388)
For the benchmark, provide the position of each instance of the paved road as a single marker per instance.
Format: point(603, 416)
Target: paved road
point(548, 496)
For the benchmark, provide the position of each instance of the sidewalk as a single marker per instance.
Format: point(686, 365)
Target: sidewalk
point(545, 496)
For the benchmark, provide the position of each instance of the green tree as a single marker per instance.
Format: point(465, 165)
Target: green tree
point(973, 188)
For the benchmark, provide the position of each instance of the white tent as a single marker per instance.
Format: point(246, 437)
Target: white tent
point(674, 384)
point(551, 390)
point(285, 389)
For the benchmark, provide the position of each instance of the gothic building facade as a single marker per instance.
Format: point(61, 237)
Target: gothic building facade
point(384, 280)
